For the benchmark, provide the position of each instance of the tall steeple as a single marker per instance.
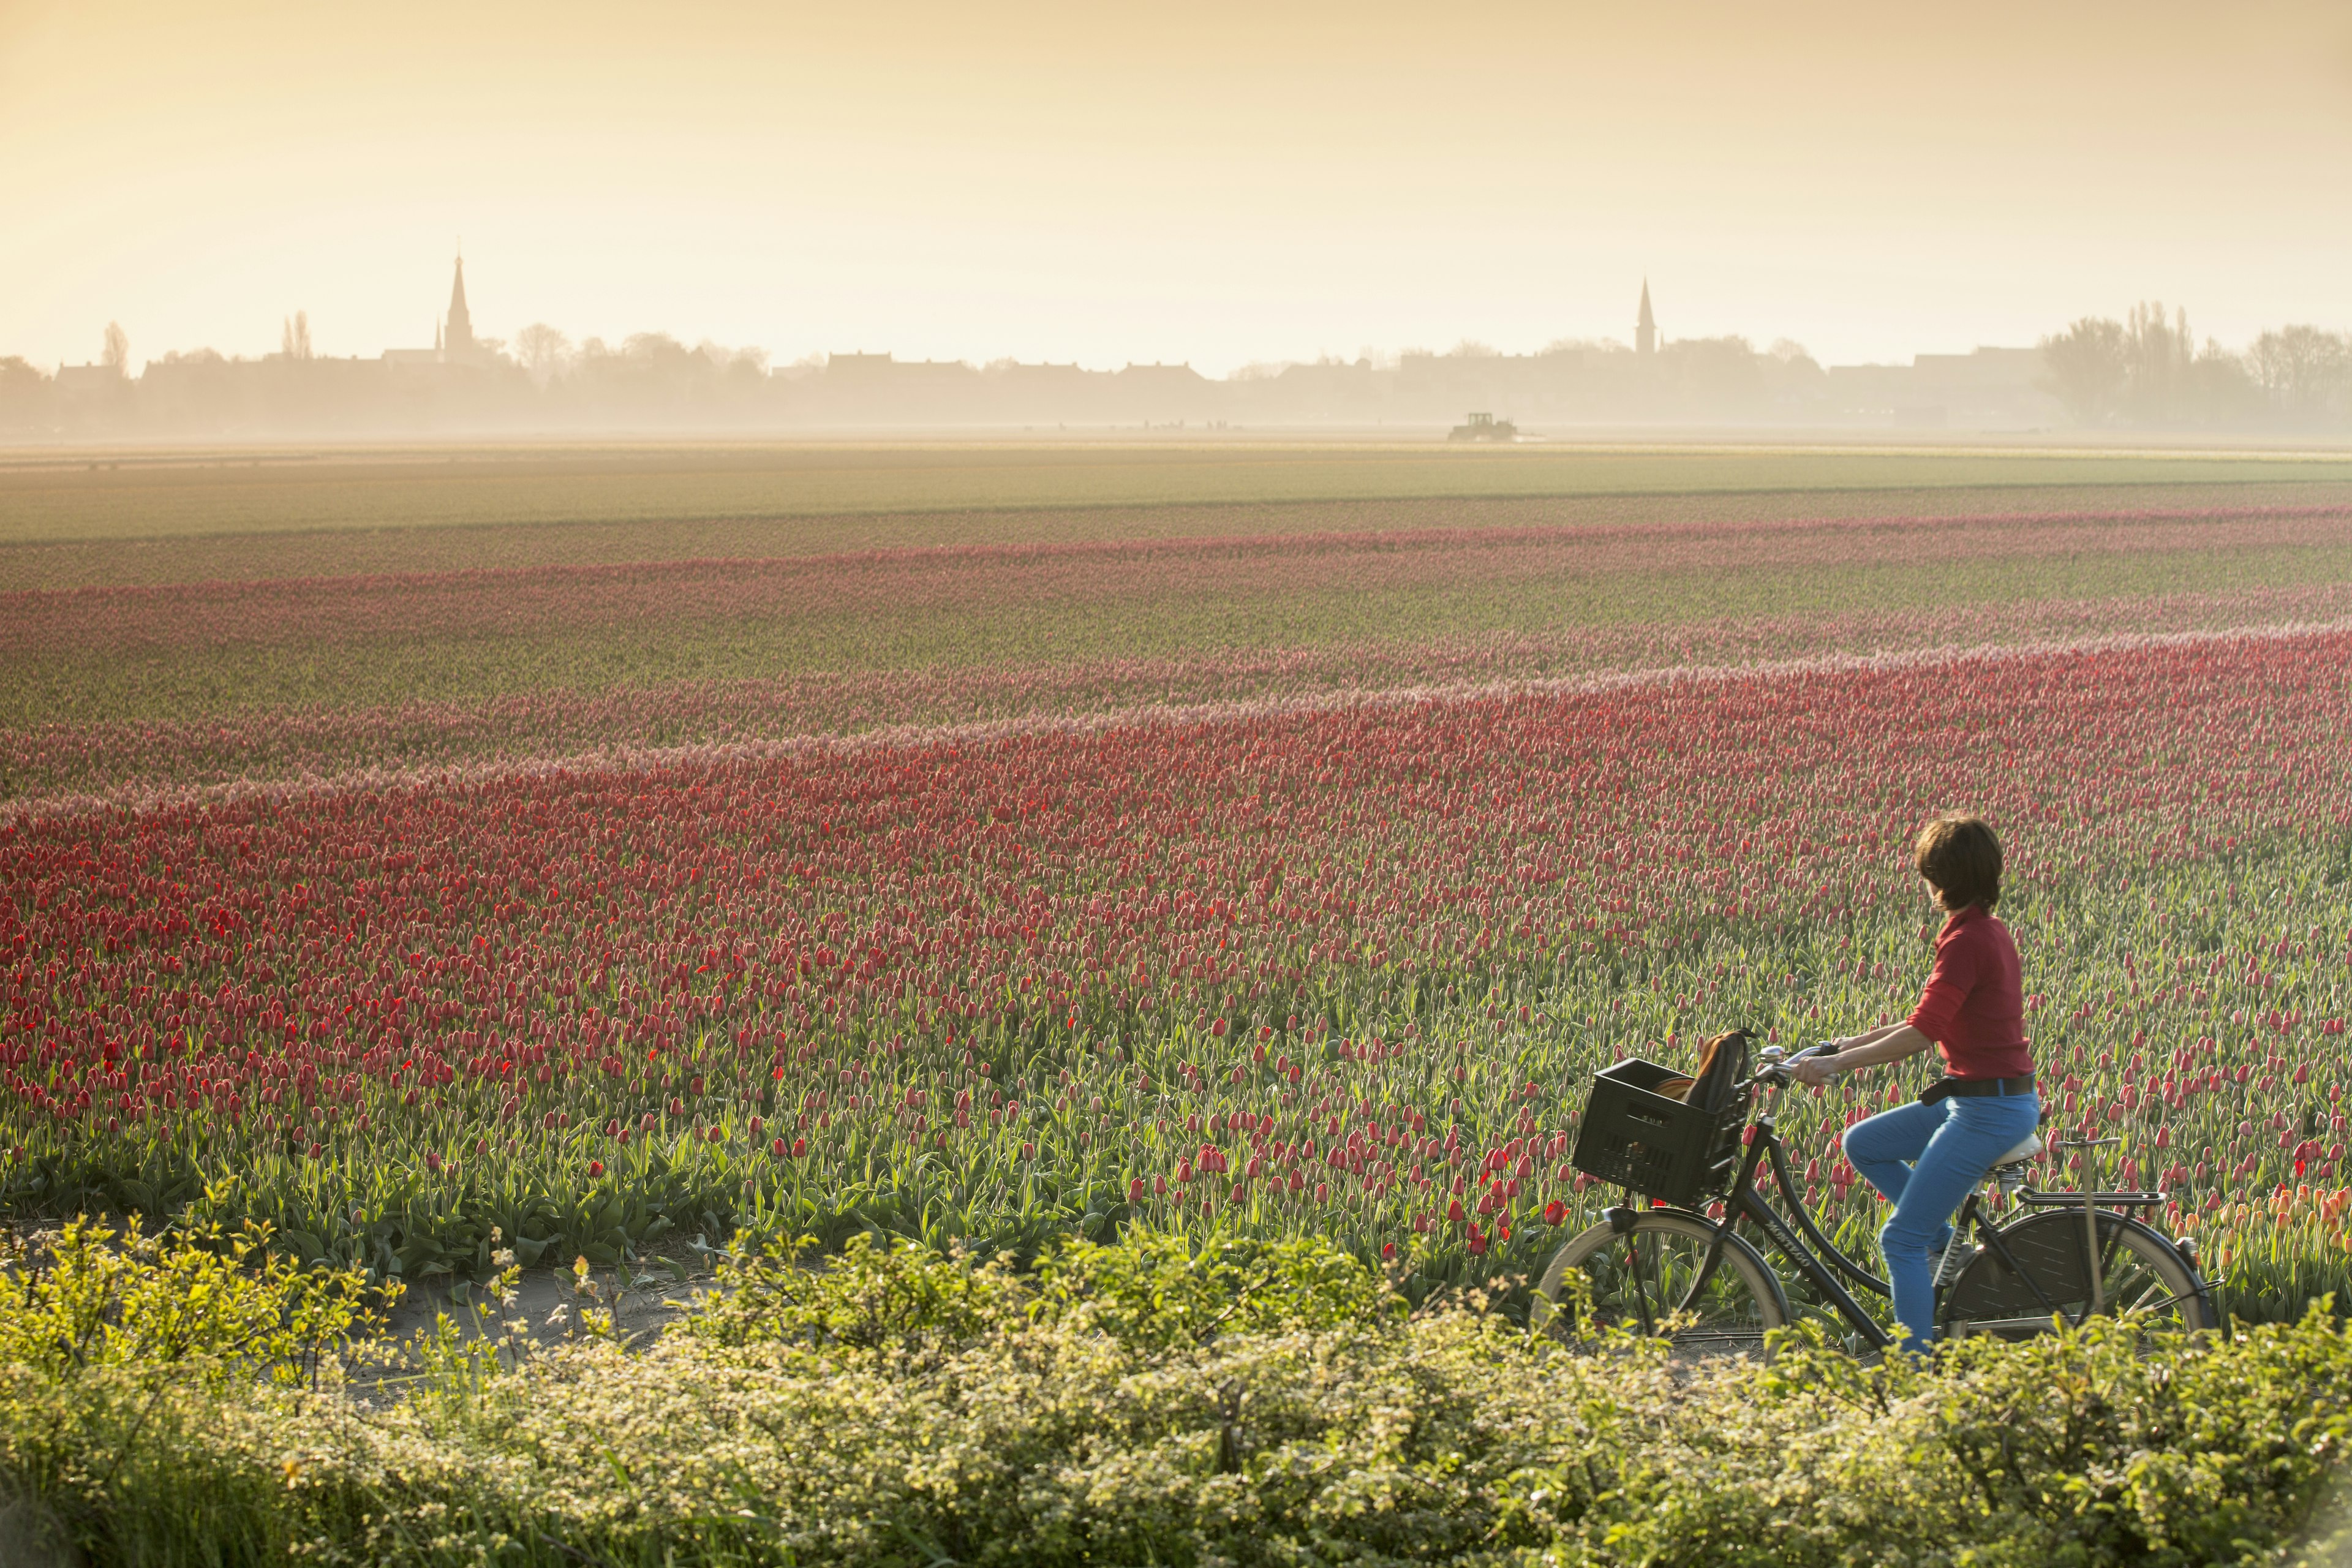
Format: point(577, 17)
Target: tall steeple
point(457, 343)
point(1645, 331)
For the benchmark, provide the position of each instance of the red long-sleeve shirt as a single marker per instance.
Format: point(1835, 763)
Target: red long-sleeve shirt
point(1974, 1006)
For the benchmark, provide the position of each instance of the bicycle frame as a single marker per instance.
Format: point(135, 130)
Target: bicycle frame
point(1803, 1245)
point(1745, 1201)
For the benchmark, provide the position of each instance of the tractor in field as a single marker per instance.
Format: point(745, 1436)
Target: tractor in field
point(1485, 427)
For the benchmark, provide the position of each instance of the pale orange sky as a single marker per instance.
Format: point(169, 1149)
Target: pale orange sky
point(1210, 182)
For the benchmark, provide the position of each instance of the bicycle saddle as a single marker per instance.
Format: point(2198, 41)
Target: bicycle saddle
point(2027, 1147)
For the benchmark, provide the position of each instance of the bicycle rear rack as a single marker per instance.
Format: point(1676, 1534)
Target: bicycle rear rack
point(2035, 1199)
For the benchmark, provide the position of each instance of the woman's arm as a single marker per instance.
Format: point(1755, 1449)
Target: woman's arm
point(1890, 1043)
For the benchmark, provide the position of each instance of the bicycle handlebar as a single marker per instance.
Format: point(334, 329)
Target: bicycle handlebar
point(1773, 1074)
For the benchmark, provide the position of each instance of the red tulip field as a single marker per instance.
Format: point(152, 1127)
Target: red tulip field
point(1208, 921)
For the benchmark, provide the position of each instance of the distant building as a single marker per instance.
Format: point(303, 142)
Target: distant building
point(864, 368)
point(878, 389)
point(1645, 326)
point(457, 345)
point(1161, 393)
point(1991, 388)
point(88, 380)
point(1048, 393)
point(452, 339)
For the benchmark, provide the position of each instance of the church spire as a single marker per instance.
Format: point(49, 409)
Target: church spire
point(457, 343)
point(1645, 330)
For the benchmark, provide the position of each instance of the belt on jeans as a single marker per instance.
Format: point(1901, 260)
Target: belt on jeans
point(1943, 1088)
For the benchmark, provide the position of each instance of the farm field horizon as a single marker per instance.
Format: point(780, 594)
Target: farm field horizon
point(987, 844)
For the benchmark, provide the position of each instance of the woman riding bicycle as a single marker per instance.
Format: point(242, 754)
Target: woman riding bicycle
point(1927, 1157)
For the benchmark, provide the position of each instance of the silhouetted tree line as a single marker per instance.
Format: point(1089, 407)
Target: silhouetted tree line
point(2148, 370)
point(542, 381)
point(2145, 370)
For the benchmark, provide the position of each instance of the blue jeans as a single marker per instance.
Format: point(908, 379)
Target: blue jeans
point(1949, 1146)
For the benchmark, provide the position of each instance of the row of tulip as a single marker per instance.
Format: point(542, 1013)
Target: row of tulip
point(1045, 578)
point(91, 763)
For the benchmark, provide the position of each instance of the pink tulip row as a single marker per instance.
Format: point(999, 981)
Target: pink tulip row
point(540, 601)
point(139, 764)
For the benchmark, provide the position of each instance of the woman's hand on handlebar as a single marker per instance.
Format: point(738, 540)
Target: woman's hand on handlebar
point(1812, 1068)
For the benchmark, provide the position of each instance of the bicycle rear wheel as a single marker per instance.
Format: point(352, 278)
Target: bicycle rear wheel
point(2143, 1279)
point(1654, 1281)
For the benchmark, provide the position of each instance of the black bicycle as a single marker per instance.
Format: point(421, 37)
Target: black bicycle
point(1660, 1263)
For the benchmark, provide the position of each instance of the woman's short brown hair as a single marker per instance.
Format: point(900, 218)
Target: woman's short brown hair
point(1961, 859)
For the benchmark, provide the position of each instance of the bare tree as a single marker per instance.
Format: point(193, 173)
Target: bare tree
point(294, 339)
point(738, 362)
point(2159, 354)
point(2304, 370)
point(118, 349)
point(2088, 365)
point(545, 352)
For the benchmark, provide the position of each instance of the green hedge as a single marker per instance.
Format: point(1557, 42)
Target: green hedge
point(1151, 1400)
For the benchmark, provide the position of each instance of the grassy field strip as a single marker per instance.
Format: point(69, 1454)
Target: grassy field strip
point(456, 547)
point(471, 489)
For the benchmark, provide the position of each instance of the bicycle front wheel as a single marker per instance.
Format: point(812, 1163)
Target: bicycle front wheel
point(1655, 1279)
point(2141, 1278)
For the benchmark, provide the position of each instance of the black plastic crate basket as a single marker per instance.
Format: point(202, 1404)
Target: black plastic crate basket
point(1633, 1137)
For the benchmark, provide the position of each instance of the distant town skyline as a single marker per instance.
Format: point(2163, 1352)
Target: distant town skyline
point(455, 341)
point(1217, 184)
point(2148, 369)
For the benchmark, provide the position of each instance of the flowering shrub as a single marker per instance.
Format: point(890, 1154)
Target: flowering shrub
point(198, 1305)
point(1004, 1422)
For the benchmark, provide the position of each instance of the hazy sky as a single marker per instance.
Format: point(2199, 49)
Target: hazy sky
point(1208, 182)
